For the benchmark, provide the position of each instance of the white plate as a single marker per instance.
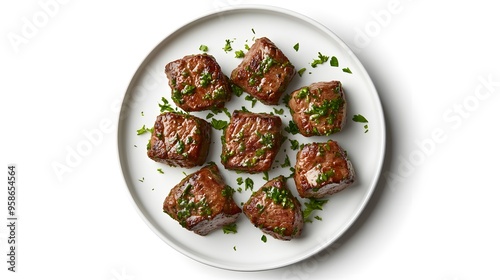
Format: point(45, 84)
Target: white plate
point(244, 250)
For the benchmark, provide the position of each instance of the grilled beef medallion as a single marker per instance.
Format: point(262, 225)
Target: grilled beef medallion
point(265, 72)
point(202, 202)
point(319, 109)
point(251, 141)
point(179, 140)
point(275, 210)
point(197, 83)
point(322, 169)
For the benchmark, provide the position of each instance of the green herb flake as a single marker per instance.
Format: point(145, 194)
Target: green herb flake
point(219, 124)
point(143, 130)
point(321, 59)
point(239, 54)
point(236, 89)
point(248, 184)
point(234, 248)
point(141, 180)
point(359, 118)
point(286, 163)
point(292, 128)
point(251, 99)
point(334, 62)
point(227, 47)
point(301, 71)
point(231, 228)
point(160, 171)
point(279, 111)
point(203, 48)
point(266, 176)
point(294, 144)
point(347, 70)
point(313, 204)
point(263, 238)
point(296, 47)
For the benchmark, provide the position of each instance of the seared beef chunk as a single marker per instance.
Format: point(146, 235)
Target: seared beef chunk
point(202, 202)
point(319, 109)
point(179, 140)
point(275, 210)
point(251, 141)
point(197, 83)
point(322, 169)
point(265, 72)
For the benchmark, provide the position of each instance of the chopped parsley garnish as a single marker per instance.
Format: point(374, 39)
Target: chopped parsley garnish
point(166, 107)
point(347, 70)
point(239, 54)
point(301, 71)
point(313, 204)
point(286, 163)
point(219, 124)
point(143, 130)
point(251, 99)
point(263, 238)
point(248, 184)
point(318, 218)
point(334, 62)
point(292, 128)
point(227, 191)
point(266, 176)
point(320, 60)
point(141, 180)
point(359, 118)
point(160, 171)
point(239, 181)
point(296, 47)
point(227, 47)
point(205, 79)
point(236, 89)
point(294, 144)
point(279, 111)
point(203, 48)
point(279, 196)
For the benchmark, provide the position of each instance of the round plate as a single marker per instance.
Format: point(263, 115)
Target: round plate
point(149, 182)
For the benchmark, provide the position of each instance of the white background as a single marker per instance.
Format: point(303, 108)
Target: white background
point(64, 68)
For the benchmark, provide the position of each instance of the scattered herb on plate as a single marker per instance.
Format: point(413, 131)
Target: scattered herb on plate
point(230, 228)
point(359, 118)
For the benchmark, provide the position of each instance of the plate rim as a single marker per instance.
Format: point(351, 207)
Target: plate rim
point(380, 122)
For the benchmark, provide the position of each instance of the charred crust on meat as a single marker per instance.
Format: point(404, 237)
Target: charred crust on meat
point(179, 140)
point(265, 72)
point(251, 141)
point(319, 109)
point(274, 210)
point(197, 83)
point(202, 202)
point(322, 169)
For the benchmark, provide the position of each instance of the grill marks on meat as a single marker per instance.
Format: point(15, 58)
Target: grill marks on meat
point(275, 210)
point(251, 141)
point(180, 140)
point(197, 83)
point(202, 202)
point(322, 169)
point(319, 109)
point(265, 72)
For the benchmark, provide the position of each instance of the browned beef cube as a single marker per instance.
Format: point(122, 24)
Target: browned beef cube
point(319, 109)
point(265, 72)
point(197, 83)
point(275, 210)
point(179, 140)
point(322, 169)
point(202, 202)
point(251, 141)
